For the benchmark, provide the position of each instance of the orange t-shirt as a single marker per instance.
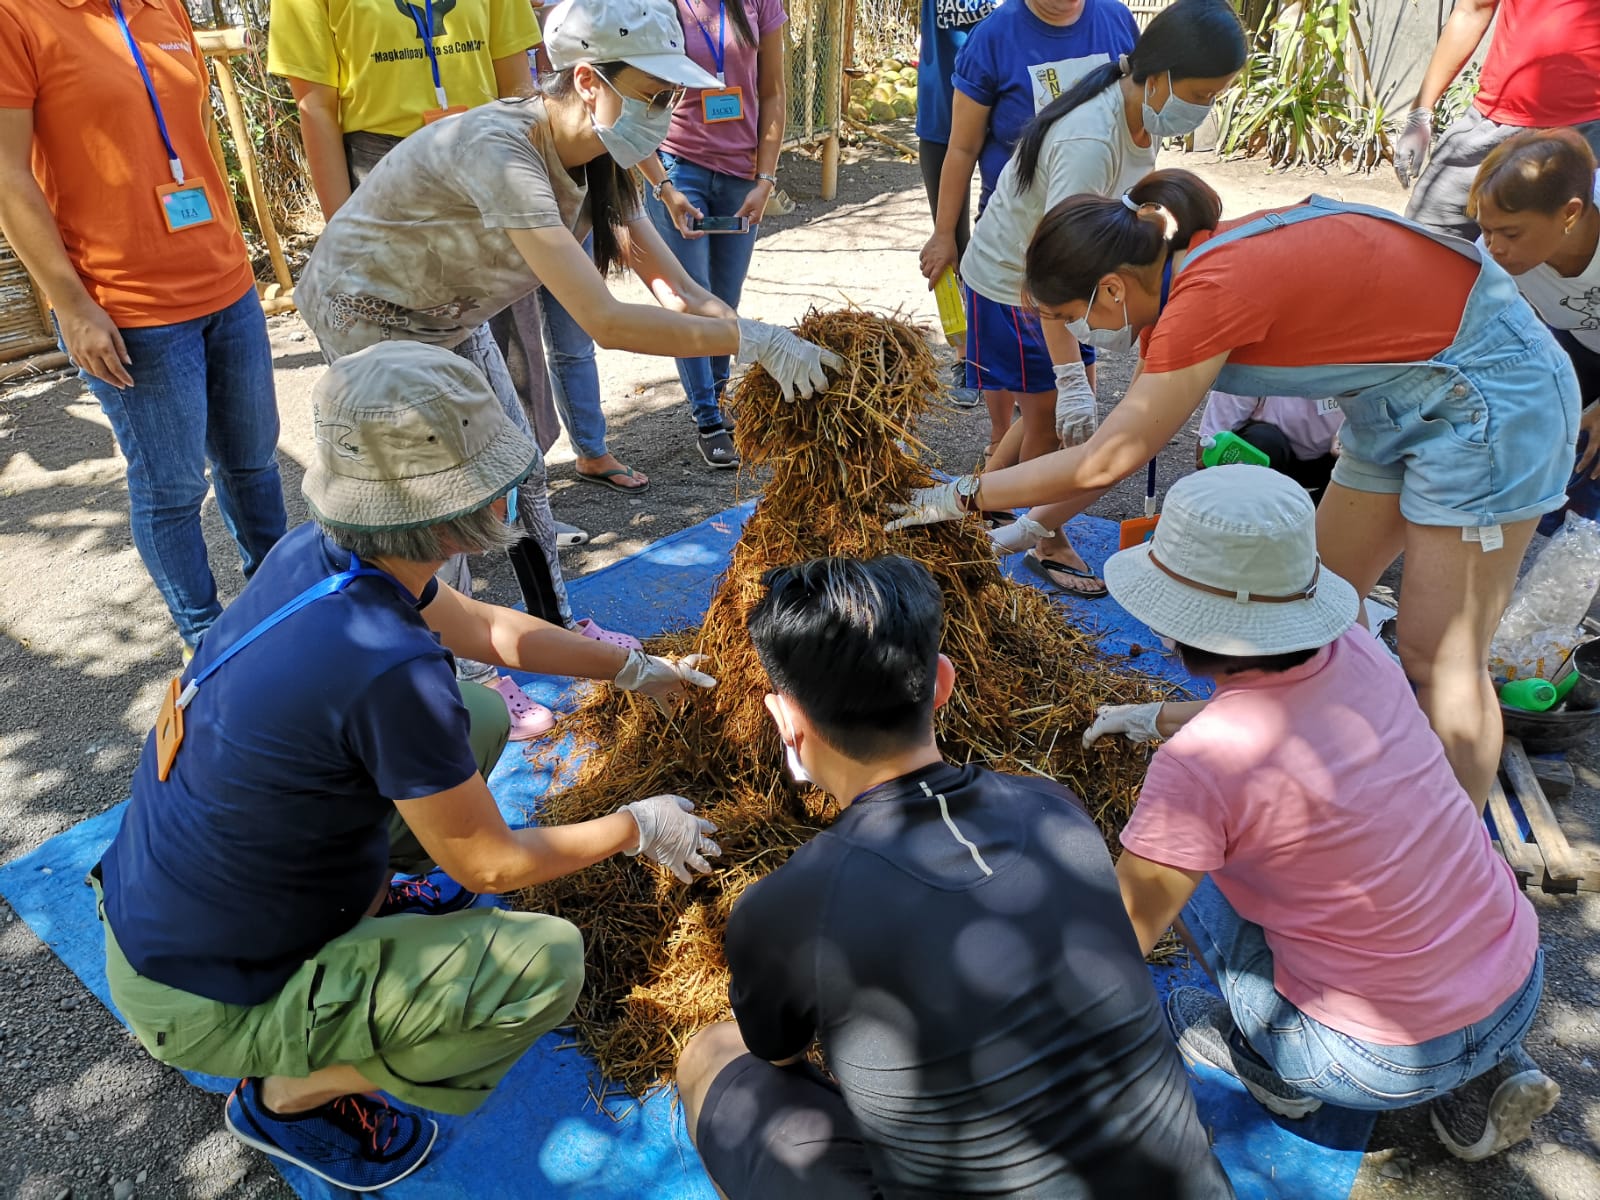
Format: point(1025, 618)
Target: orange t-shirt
point(98, 156)
point(1338, 289)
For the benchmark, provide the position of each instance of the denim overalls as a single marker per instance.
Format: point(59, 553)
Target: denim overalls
point(1481, 435)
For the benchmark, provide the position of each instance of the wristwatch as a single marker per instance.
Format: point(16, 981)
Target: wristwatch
point(772, 179)
point(655, 189)
point(967, 492)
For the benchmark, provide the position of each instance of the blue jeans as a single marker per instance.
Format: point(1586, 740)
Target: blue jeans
point(1333, 1066)
point(202, 391)
point(574, 379)
point(718, 262)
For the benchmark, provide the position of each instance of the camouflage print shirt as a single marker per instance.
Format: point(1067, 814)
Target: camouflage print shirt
point(421, 251)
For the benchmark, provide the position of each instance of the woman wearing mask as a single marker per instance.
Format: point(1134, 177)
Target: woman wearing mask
point(720, 160)
point(468, 215)
point(1270, 305)
point(1022, 58)
point(1099, 137)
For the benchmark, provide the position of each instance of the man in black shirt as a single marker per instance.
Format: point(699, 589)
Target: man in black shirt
point(955, 941)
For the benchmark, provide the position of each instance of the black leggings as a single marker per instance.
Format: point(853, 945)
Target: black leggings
point(930, 157)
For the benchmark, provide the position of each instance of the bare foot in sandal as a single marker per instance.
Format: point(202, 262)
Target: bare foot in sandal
point(612, 473)
point(1058, 564)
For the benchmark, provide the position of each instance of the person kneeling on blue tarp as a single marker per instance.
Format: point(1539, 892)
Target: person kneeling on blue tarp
point(252, 925)
point(1287, 820)
point(954, 941)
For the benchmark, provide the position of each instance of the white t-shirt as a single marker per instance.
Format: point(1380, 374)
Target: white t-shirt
point(1088, 150)
point(1562, 303)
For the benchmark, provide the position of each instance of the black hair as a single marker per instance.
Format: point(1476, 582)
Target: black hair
point(1193, 39)
point(1085, 237)
point(738, 17)
point(1203, 662)
point(613, 194)
point(855, 643)
point(1536, 170)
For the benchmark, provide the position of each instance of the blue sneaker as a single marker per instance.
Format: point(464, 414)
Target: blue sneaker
point(426, 895)
point(360, 1143)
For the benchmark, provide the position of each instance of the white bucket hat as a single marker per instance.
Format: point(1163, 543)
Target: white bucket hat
point(406, 435)
point(645, 34)
point(1233, 568)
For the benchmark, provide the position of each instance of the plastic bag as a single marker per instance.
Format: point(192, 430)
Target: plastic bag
point(1544, 620)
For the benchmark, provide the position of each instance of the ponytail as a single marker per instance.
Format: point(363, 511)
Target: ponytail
point(1086, 237)
point(613, 196)
point(1191, 39)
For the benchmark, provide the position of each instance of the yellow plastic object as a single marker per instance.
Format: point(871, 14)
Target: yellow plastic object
point(952, 309)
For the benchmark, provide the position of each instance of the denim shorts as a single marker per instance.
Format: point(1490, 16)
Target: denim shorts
point(1332, 1066)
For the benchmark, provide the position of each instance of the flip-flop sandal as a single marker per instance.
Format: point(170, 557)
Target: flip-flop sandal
point(1048, 571)
point(590, 630)
point(609, 479)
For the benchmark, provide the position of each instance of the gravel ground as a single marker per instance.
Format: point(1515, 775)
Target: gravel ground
point(86, 645)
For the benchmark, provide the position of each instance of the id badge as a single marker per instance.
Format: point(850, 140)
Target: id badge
point(722, 104)
point(185, 205)
point(169, 731)
point(439, 114)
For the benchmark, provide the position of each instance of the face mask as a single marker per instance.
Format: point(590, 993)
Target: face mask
point(511, 507)
point(796, 767)
point(636, 134)
point(1114, 340)
point(1177, 117)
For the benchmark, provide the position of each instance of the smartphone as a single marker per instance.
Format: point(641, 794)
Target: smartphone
point(719, 224)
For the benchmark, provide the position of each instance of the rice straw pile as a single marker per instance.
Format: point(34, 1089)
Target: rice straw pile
point(1026, 686)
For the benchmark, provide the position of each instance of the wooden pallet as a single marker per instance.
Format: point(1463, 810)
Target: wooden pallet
point(1545, 859)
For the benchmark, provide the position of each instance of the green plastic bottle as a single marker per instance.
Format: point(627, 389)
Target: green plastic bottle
point(1229, 447)
point(1530, 695)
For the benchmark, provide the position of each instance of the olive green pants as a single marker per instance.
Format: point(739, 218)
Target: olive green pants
point(433, 1010)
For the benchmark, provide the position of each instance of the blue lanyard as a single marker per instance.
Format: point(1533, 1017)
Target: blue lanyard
point(324, 587)
point(424, 24)
point(173, 160)
point(718, 52)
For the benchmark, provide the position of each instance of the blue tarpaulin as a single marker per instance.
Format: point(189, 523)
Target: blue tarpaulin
point(542, 1133)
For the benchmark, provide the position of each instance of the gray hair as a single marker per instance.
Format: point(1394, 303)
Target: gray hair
point(476, 532)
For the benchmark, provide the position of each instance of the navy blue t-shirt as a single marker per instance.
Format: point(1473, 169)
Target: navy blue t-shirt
point(945, 25)
point(270, 836)
point(957, 944)
point(1015, 64)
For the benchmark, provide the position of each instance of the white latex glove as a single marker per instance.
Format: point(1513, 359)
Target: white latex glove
point(1076, 415)
point(664, 680)
point(1136, 722)
point(1022, 534)
point(1411, 147)
point(670, 834)
point(795, 363)
point(928, 506)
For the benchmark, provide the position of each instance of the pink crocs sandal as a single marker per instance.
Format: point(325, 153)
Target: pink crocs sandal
point(590, 630)
point(528, 717)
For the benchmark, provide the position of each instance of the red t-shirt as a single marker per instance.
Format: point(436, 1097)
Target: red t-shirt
point(1543, 65)
point(1339, 289)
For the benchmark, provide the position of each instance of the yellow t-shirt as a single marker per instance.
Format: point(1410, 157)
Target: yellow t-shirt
point(372, 52)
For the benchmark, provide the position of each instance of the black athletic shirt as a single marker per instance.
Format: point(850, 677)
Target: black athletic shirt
point(957, 943)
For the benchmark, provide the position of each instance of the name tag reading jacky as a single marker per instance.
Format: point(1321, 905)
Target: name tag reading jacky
point(185, 205)
point(722, 104)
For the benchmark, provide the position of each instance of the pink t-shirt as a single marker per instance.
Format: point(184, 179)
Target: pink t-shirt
point(1312, 426)
point(1321, 804)
point(726, 146)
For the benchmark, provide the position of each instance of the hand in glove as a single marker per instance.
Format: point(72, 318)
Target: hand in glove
point(1136, 722)
point(929, 506)
point(670, 834)
point(1076, 415)
point(1022, 534)
point(795, 363)
point(1411, 147)
point(662, 679)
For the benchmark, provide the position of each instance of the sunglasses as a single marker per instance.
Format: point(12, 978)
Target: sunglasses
point(657, 103)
